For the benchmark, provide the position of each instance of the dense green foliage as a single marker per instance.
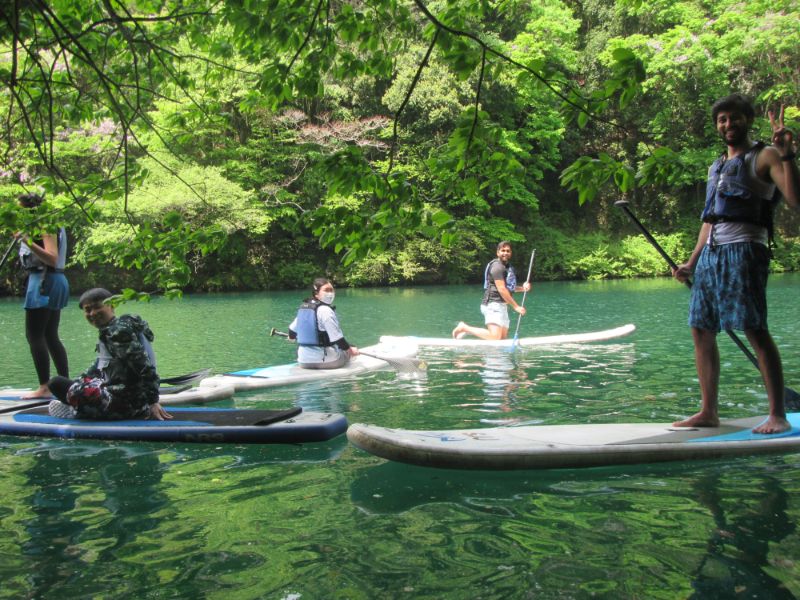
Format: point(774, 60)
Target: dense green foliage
point(255, 144)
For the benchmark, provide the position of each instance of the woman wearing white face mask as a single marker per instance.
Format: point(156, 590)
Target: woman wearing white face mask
point(316, 329)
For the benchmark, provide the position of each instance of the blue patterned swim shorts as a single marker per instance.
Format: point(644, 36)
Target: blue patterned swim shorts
point(730, 288)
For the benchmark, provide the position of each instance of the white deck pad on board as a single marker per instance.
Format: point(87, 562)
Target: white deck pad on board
point(547, 340)
point(569, 446)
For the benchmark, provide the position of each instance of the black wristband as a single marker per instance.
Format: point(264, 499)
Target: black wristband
point(788, 157)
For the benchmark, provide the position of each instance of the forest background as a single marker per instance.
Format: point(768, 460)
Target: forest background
point(256, 144)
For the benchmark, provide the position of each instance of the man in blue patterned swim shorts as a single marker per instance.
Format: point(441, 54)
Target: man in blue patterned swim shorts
point(730, 261)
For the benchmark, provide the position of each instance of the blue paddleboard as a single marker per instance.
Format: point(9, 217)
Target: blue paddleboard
point(203, 425)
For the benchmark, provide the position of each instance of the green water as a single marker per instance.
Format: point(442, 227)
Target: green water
point(129, 520)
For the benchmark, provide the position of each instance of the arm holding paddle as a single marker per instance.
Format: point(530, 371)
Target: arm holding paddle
point(684, 272)
point(508, 294)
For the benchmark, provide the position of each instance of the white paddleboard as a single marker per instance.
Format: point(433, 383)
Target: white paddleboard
point(547, 340)
point(196, 395)
point(292, 373)
point(569, 446)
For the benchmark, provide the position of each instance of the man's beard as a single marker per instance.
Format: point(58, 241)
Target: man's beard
point(739, 137)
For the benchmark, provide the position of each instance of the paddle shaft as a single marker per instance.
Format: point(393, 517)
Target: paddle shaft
point(8, 251)
point(623, 204)
point(17, 407)
point(524, 294)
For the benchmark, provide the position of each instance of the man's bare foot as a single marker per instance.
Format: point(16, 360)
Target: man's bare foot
point(41, 392)
point(773, 425)
point(701, 419)
point(459, 331)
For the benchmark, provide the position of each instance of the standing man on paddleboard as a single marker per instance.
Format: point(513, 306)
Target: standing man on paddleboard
point(123, 382)
point(730, 261)
point(499, 282)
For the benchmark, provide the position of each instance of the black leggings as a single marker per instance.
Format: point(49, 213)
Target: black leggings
point(41, 329)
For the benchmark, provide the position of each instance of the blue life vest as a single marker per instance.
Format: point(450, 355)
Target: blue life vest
point(308, 333)
point(733, 196)
point(511, 276)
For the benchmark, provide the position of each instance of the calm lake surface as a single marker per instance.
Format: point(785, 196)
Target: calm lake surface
point(135, 520)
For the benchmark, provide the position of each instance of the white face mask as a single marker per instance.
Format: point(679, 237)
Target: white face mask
point(327, 297)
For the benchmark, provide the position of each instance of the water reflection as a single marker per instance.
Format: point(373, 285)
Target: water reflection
point(706, 537)
point(70, 537)
point(502, 375)
point(737, 561)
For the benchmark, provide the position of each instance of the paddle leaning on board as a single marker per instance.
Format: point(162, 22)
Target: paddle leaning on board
point(791, 398)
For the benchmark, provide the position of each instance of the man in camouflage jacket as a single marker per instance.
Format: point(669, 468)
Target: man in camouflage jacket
point(123, 381)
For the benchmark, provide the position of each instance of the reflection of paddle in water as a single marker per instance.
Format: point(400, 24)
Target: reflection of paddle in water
point(738, 551)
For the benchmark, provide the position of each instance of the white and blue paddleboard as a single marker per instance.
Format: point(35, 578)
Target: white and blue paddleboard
point(570, 446)
point(292, 373)
point(202, 425)
point(193, 395)
point(547, 340)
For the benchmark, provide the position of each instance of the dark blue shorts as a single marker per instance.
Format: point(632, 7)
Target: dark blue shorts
point(730, 288)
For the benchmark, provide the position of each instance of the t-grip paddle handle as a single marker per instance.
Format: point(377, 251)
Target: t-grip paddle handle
point(273, 332)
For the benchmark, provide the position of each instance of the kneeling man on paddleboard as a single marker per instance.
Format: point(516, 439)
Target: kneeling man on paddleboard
point(123, 382)
point(730, 261)
point(500, 282)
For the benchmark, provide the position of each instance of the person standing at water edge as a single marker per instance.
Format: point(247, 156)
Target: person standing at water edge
point(46, 293)
point(317, 331)
point(499, 282)
point(730, 261)
point(123, 382)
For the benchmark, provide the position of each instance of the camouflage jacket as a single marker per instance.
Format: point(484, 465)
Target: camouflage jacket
point(126, 365)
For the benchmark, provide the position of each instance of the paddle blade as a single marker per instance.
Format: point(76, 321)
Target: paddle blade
point(791, 400)
point(402, 365)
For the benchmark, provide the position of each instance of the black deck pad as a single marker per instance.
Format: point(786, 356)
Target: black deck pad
point(231, 417)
